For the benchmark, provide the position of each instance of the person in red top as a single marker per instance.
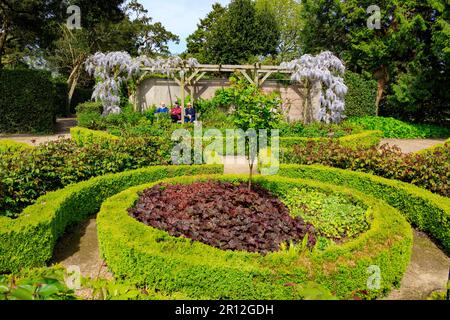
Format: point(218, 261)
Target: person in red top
point(175, 113)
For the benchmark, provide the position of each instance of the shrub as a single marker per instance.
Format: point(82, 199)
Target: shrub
point(10, 146)
point(151, 257)
point(361, 97)
point(393, 128)
point(429, 171)
point(26, 175)
point(88, 107)
point(61, 95)
point(27, 102)
point(84, 137)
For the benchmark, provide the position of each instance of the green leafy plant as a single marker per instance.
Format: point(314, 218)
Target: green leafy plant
point(393, 128)
point(36, 284)
point(334, 216)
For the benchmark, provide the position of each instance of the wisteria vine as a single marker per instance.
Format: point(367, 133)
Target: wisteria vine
point(113, 69)
point(328, 70)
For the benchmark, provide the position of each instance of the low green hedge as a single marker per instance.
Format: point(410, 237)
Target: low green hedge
point(435, 148)
point(427, 211)
point(366, 139)
point(83, 136)
point(151, 257)
point(28, 241)
point(7, 146)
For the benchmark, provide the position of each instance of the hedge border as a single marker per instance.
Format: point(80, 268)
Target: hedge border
point(427, 211)
point(8, 146)
point(28, 241)
point(83, 136)
point(366, 139)
point(151, 257)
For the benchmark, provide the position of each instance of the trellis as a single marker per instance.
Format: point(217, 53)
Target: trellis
point(188, 77)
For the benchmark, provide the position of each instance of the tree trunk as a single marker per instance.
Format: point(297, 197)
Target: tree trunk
point(3, 40)
point(250, 178)
point(72, 83)
point(382, 77)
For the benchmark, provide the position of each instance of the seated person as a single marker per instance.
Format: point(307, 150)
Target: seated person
point(175, 113)
point(162, 109)
point(190, 116)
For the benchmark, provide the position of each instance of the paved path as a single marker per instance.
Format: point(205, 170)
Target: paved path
point(63, 126)
point(426, 273)
point(414, 145)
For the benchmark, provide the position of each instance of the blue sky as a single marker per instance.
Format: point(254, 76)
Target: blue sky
point(179, 16)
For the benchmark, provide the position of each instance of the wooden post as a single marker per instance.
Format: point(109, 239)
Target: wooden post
point(183, 94)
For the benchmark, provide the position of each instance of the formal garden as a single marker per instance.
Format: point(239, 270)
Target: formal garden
point(323, 208)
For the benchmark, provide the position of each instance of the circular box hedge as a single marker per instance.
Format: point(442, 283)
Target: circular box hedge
point(150, 257)
point(29, 240)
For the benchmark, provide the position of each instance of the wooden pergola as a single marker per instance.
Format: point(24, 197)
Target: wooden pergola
point(185, 76)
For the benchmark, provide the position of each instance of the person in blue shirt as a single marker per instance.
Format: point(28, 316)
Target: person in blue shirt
point(191, 115)
point(162, 108)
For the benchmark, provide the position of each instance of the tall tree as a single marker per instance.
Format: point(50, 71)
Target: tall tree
point(403, 55)
point(287, 16)
point(198, 41)
point(237, 35)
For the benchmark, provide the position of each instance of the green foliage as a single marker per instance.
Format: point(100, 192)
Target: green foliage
point(254, 108)
point(428, 170)
point(318, 130)
point(393, 128)
point(237, 35)
point(28, 241)
point(27, 102)
point(26, 175)
point(36, 284)
point(426, 211)
point(360, 100)
point(408, 55)
point(148, 256)
point(90, 106)
point(10, 146)
point(333, 216)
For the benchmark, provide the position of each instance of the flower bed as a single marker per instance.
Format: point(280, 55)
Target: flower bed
point(151, 257)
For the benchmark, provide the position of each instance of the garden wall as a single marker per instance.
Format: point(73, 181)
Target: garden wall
point(152, 91)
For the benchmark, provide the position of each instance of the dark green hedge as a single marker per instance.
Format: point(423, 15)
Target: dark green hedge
point(27, 103)
point(361, 97)
point(80, 95)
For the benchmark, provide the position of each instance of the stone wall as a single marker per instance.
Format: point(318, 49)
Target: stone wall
point(154, 91)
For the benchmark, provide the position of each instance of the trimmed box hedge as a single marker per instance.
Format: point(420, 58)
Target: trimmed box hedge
point(8, 146)
point(150, 257)
point(27, 103)
point(361, 97)
point(83, 136)
point(28, 241)
point(366, 139)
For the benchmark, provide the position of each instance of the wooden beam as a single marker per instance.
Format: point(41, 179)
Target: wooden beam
point(192, 76)
point(244, 73)
point(268, 74)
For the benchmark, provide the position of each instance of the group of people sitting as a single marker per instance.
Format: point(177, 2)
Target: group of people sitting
point(176, 112)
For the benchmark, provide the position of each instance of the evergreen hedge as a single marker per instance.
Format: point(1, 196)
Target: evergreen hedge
point(27, 103)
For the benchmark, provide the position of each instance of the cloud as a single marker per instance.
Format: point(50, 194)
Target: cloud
point(179, 16)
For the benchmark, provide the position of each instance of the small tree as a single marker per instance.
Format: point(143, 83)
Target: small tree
point(326, 70)
point(255, 110)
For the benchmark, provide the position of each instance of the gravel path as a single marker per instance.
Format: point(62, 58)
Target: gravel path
point(414, 145)
point(63, 126)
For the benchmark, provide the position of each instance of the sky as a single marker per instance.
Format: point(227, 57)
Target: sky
point(179, 16)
